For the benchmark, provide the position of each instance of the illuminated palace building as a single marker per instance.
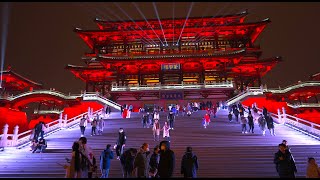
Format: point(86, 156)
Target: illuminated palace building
point(173, 59)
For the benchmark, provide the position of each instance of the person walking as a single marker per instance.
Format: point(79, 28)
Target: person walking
point(270, 124)
point(121, 142)
point(206, 120)
point(262, 124)
point(313, 170)
point(141, 162)
point(105, 160)
point(83, 124)
point(88, 158)
point(154, 162)
point(127, 162)
point(94, 126)
point(189, 164)
point(265, 112)
point(236, 114)
point(167, 160)
point(251, 123)
point(37, 130)
point(230, 116)
point(166, 131)
point(43, 129)
point(100, 126)
point(74, 169)
point(144, 120)
point(156, 130)
point(284, 161)
point(243, 122)
point(109, 110)
point(171, 118)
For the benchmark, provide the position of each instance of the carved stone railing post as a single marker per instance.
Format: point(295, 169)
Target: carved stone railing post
point(281, 121)
point(284, 115)
point(4, 137)
point(60, 121)
point(65, 120)
point(15, 135)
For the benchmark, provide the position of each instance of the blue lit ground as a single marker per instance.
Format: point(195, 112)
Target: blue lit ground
point(221, 148)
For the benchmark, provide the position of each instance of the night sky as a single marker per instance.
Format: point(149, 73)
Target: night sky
point(41, 41)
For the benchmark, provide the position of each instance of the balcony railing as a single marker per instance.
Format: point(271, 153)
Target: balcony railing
point(170, 55)
point(16, 140)
point(295, 86)
point(301, 125)
point(304, 105)
point(53, 111)
point(260, 90)
point(92, 96)
point(40, 92)
point(227, 84)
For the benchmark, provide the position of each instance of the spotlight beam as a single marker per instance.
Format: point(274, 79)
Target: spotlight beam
point(173, 22)
point(112, 12)
point(134, 22)
point(190, 9)
point(201, 39)
point(4, 35)
point(218, 12)
point(155, 9)
point(146, 20)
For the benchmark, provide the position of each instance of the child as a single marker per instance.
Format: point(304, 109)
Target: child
point(230, 116)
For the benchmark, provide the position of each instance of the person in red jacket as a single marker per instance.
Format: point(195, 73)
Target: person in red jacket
point(207, 120)
point(125, 113)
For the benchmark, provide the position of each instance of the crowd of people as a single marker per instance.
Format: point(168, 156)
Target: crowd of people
point(141, 163)
point(264, 120)
point(38, 143)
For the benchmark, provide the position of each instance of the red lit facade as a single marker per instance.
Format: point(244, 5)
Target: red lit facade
point(13, 83)
point(197, 51)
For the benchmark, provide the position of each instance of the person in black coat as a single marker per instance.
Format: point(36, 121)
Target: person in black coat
point(270, 124)
point(230, 116)
point(236, 114)
point(121, 142)
point(167, 160)
point(249, 110)
point(141, 162)
point(189, 164)
point(250, 122)
point(127, 162)
point(154, 162)
point(265, 112)
point(284, 161)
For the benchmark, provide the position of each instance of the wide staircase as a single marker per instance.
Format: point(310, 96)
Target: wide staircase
point(222, 150)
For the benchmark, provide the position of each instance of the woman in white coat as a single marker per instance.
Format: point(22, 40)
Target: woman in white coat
point(166, 131)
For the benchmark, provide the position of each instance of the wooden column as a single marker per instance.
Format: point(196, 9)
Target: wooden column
point(117, 79)
point(202, 74)
point(93, 87)
point(122, 79)
point(315, 96)
point(139, 78)
point(180, 75)
point(103, 88)
point(241, 83)
point(161, 77)
point(87, 86)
